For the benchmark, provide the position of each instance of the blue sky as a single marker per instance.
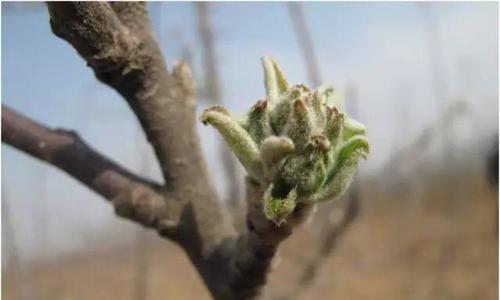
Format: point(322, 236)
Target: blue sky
point(380, 48)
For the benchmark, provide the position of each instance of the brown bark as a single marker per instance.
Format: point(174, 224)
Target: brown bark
point(132, 196)
point(256, 248)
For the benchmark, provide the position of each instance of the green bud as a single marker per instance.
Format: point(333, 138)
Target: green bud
point(298, 144)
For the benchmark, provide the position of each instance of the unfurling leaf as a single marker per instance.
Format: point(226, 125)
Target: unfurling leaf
point(298, 144)
point(278, 209)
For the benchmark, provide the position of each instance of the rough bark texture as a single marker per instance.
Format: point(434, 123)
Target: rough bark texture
point(256, 248)
point(116, 41)
point(132, 196)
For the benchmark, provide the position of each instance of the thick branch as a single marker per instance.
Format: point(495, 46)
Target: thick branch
point(132, 196)
point(256, 248)
point(95, 32)
point(134, 15)
point(117, 43)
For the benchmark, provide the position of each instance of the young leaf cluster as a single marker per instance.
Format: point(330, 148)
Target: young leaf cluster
point(297, 144)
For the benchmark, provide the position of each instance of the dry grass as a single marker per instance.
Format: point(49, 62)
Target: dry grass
point(437, 248)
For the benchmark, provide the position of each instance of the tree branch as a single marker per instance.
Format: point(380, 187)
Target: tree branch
point(134, 15)
point(305, 41)
point(256, 248)
point(117, 42)
point(122, 52)
point(133, 197)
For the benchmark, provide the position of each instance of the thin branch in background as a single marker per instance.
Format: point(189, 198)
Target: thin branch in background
point(25, 287)
point(436, 59)
point(435, 55)
point(212, 91)
point(10, 250)
point(9, 235)
point(41, 225)
point(414, 150)
point(187, 55)
point(410, 157)
point(305, 42)
point(211, 82)
point(142, 267)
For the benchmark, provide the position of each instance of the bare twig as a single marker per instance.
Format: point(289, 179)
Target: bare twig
point(305, 42)
point(212, 88)
point(206, 34)
point(9, 235)
point(415, 148)
point(13, 265)
point(132, 196)
point(140, 288)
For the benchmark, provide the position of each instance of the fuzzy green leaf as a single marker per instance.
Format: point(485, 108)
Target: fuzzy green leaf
point(298, 143)
point(236, 137)
point(259, 125)
point(345, 166)
point(270, 81)
point(352, 128)
point(280, 78)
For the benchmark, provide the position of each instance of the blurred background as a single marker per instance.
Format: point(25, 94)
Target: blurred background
point(420, 221)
